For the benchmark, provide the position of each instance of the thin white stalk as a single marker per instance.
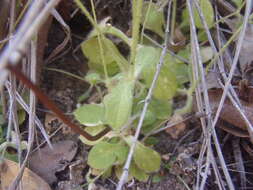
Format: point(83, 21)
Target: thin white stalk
point(233, 98)
point(195, 47)
point(199, 71)
point(124, 175)
point(32, 109)
point(26, 108)
point(235, 61)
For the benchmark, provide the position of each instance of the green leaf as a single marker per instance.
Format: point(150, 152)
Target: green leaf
point(238, 2)
point(101, 156)
point(118, 104)
point(166, 84)
point(151, 141)
point(112, 57)
point(178, 68)
point(106, 28)
point(153, 18)
point(1, 120)
point(104, 155)
point(121, 151)
point(150, 116)
point(138, 173)
point(145, 158)
point(93, 77)
point(90, 114)
point(21, 116)
point(145, 57)
point(118, 172)
point(207, 10)
point(162, 108)
point(206, 53)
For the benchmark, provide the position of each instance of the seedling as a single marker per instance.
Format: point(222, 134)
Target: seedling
point(127, 79)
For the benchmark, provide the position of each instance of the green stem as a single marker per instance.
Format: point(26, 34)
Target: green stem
point(137, 10)
point(145, 20)
point(100, 34)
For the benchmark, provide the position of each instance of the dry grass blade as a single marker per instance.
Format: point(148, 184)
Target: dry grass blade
point(26, 108)
point(196, 60)
point(32, 109)
point(67, 39)
point(235, 61)
point(32, 22)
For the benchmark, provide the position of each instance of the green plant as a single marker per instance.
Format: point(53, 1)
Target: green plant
point(127, 79)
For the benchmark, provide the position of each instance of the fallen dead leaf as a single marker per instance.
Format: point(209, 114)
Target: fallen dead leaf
point(176, 130)
point(46, 162)
point(30, 180)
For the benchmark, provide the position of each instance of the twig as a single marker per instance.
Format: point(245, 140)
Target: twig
point(235, 60)
point(197, 59)
point(197, 64)
point(124, 175)
point(32, 109)
point(67, 39)
point(26, 108)
point(13, 52)
point(50, 105)
point(233, 97)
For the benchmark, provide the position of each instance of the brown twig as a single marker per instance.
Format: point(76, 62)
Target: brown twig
point(50, 105)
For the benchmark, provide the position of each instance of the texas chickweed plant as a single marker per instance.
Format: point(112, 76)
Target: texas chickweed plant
point(127, 80)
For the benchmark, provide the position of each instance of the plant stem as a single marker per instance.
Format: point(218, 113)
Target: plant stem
point(137, 13)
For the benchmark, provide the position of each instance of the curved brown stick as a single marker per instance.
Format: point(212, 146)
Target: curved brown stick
point(50, 105)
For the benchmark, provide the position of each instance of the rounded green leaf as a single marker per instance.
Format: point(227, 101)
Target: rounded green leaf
point(176, 66)
point(138, 173)
point(145, 158)
point(90, 114)
point(121, 152)
point(162, 108)
point(153, 18)
point(101, 156)
point(118, 104)
point(112, 57)
point(207, 10)
point(146, 56)
point(166, 84)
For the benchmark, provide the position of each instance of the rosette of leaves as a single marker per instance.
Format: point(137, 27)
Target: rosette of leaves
point(127, 85)
point(105, 155)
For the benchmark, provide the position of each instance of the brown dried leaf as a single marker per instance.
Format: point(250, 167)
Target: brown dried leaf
point(46, 162)
point(230, 114)
point(30, 180)
point(176, 130)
